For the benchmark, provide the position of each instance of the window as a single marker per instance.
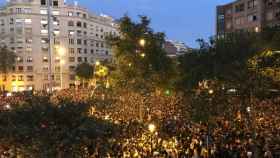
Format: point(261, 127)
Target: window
point(27, 10)
point(252, 4)
point(71, 50)
point(44, 40)
point(252, 18)
point(79, 24)
point(85, 59)
point(85, 51)
point(11, 21)
point(56, 32)
point(240, 8)
point(70, 13)
point(71, 59)
point(55, 12)
point(79, 59)
point(72, 68)
point(13, 78)
point(20, 78)
point(44, 31)
point(18, 10)
point(79, 50)
point(20, 68)
point(85, 42)
point(70, 23)
point(28, 21)
point(43, 2)
point(91, 51)
point(84, 16)
point(28, 40)
point(85, 25)
point(79, 33)
point(71, 41)
point(30, 78)
point(28, 31)
point(71, 32)
point(45, 59)
point(45, 68)
point(29, 68)
point(19, 59)
point(55, 3)
point(44, 21)
point(79, 41)
point(29, 59)
point(43, 11)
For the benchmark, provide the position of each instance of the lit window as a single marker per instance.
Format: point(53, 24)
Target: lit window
point(43, 11)
point(28, 21)
point(55, 12)
point(44, 31)
point(45, 59)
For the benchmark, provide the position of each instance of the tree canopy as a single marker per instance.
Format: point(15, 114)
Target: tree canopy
point(140, 60)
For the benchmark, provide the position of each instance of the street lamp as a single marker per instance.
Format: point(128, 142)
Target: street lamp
point(62, 62)
point(152, 128)
point(97, 63)
point(142, 42)
point(211, 91)
point(61, 53)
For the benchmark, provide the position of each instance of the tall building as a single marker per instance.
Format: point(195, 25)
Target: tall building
point(175, 48)
point(250, 15)
point(76, 36)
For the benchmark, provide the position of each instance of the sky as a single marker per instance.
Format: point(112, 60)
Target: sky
point(180, 20)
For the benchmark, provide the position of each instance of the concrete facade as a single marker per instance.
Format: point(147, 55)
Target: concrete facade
point(76, 31)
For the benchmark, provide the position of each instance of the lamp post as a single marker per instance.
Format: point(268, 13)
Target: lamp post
point(61, 53)
point(50, 46)
point(152, 129)
point(62, 62)
point(142, 43)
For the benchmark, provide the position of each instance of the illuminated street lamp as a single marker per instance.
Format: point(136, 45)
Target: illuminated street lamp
point(61, 53)
point(152, 128)
point(97, 63)
point(143, 55)
point(62, 62)
point(211, 91)
point(142, 42)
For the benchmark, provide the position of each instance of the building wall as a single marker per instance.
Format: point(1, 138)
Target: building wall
point(248, 15)
point(76, 31)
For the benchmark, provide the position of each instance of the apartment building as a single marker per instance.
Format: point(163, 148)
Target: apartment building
point(75, 31)
point(249, 15)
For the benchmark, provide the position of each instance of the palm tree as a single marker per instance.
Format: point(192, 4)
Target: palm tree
point(7, 61)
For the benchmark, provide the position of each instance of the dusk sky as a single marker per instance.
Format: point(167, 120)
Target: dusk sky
point(183, 20)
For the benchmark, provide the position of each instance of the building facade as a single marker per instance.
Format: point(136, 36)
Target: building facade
point(76, 36)
point(175, 48)
point(249, 15)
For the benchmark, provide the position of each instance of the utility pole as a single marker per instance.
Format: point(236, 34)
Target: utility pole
point(50, 45)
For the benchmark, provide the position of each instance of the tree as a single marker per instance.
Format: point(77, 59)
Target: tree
point(7, 60)
point(85, 72)
point(140, 60)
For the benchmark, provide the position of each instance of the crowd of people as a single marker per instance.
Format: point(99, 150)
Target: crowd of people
point(250, 133)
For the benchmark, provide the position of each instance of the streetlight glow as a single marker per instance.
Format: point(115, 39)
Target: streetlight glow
point(143, 55)
point(152, 128)
point(142, 42)
point(97, 63)
point(211, 91)
point(61, 51)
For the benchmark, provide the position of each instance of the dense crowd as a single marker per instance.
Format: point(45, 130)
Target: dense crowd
point(253, 131)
